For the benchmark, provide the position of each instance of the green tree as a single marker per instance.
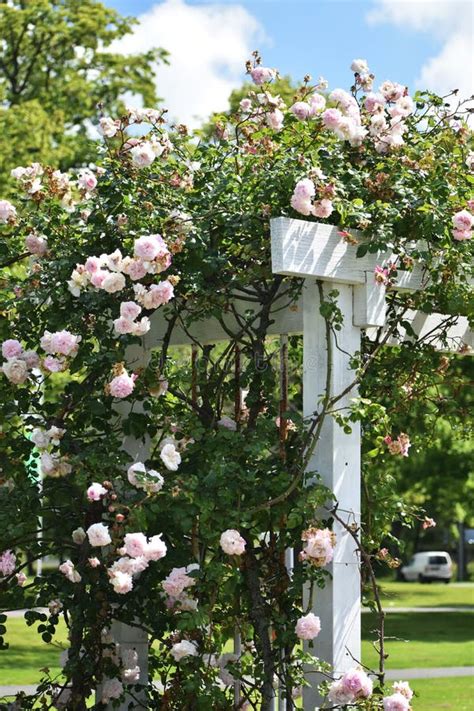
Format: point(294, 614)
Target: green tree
point(54, 71)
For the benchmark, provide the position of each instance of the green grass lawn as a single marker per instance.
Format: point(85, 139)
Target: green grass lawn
point(422, 639)
point(432, 639)
point(396, 594)
point(447, 694)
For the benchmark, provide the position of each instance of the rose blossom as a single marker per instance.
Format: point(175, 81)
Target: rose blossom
point(21, 579)
point(357, 683)
point(150, 481)
point(7, 211)
point(141, 327)
point(260, 75)
point(40, 438)
point(15, 370)
point(98, 535)
point(156, 548)
point(87, 180)
point(322, 208)
point(232, 542)
point(403, 688)
point(319, 545)
point(392, 91)
point(78, 536)
point(31, 359)
point(11, 348)
point(61, 342)
point(7, 563)
point(301, 110)
point(428, 523)
point(308, 627)
point(35, 244)
point(374, 102)
point(338, 695)
point(170, 457)
point(111, 283)
point(123, 326)
point(122, 385)
point(95, 492)
point(130, 310)
point(68, 570)
point(275, 119)
point(396, 702)
point(93, 562)
point(143, 154)
point(122, 582)
point(108, 127)
point(135, 544)
point(332, 118)
point(111, 689)
point(183, 649)
point(177, 581)
point(148, 247)
point(54, 365)
point(463, 220)
point(360, 66)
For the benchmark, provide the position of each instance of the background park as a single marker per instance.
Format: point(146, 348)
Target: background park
point(239, 144)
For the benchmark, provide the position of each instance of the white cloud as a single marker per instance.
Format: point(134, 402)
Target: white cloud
point(208, 47)
point(452, 22)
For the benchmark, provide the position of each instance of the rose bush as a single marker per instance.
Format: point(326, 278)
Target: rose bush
point(190, 541)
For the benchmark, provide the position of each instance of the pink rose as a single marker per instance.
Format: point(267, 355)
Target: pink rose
point(322, 208)
point(332, 118)
point(301, 110)
point(308, 627)
point(403, 688)
point(92, 265)
point(7, 563)
point(275, 120)
point(357, 683)
point(463, 220)
point(54, 365)
point(156, 548)
point(87, 180)
point(130, 310)
point(112, 282)
point(121, 582)
point(232, 542)
point(135, 544)
point(61, 342)
point(260, 75)
point(98, 535)
point(36, 244)
point(317, 102)
point(123, 325)
point(7, 212)
point(122, 385)
point(462, 235)
point(11, 348)
point(143, 154)
point(396, 702)
point(374, 103)
point(149, 247)
point(95, 492)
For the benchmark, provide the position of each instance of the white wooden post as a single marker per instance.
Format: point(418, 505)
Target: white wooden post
point(337, 460)
point(129, 636)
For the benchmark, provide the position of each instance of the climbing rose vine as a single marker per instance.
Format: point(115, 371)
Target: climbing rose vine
point(164, 491)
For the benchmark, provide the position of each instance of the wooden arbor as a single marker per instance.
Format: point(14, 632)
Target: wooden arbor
point(314, 252)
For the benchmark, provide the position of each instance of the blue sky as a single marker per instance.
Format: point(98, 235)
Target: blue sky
point(418, 43)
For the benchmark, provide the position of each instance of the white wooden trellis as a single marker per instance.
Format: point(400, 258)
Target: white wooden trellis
point(315, 251)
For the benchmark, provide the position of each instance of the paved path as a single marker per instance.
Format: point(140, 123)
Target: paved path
point(431, 673)
point(461, 608)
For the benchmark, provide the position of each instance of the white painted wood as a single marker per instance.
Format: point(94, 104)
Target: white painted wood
point(128, 636)
point(370, 308)
point(301, 248)
point(291, 321)
point(337, 460)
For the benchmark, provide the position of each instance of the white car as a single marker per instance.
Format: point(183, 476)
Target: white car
point(427, 566)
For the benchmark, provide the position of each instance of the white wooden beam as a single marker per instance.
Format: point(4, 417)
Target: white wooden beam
point(301, 248)
point(337, 460)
